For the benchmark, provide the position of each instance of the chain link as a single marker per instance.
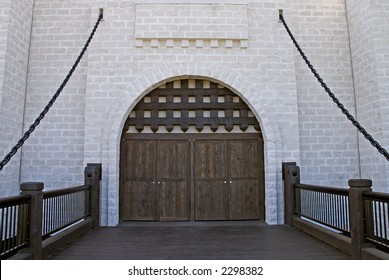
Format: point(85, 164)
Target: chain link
point(37, 121)
point(361, 129)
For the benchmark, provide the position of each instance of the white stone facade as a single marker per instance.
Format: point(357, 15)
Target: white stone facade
point(15, 33)
point(240, 44)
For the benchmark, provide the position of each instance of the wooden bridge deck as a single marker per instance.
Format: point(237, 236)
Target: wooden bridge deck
point(186, 241)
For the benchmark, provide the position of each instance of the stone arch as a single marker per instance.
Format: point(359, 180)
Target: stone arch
point(237, 83)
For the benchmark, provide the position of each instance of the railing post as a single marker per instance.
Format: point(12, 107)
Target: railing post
point(92, 178)
point(291, 176)
point(35, 190)
point(357, 225)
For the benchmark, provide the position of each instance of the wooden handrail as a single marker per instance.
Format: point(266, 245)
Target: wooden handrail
point(14, 200)
point(333, 190)
point(59, 192)
point(379, 196)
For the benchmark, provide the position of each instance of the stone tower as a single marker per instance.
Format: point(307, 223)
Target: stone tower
point(240, 45)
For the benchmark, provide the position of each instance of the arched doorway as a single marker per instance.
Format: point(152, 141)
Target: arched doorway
point(191, 150)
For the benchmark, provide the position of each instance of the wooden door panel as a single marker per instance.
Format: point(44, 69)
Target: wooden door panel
point(244, 200)
point(210, 160)
point(139, 159)
point(173, 180)
point(140, 201)
point(245, 180)
point(244, 159)
point(173, 160)
point(211, 193)
point(139, 195)
point(173, 201)
point(211, 201)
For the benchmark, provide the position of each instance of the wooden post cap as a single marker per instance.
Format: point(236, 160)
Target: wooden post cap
point(360, 183)
point(32, 186)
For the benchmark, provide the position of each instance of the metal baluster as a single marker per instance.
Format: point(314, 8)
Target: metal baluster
point(13, 227)
point(55, 220)
point(51, 214)
point(25, 221)
point(1, 229)
point(375, 221)
point(60, 212)
point(7, 247)
point(67, 210)
point(380, 204)
point(44, 221)
point(386, 222)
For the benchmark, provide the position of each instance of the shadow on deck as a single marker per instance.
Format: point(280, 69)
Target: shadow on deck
point(198, 241)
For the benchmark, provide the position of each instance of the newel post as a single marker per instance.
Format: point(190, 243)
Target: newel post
point(93, 177)
point(35, 190)
point(291, 176)
point(357, 225)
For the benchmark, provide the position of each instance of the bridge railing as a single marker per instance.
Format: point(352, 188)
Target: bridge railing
point(64, 207)
point(324, 205)
point(354, 220)
point(35, 224)
point(377, 218)
point(14, 217)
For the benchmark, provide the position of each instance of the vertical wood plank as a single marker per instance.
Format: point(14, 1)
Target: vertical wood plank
point(243, 117)
point(138, 190)
point(184, 112)
point(244, 182)
point(229, 113)
point(211, 196)
point(199, 100)
point(169, 113)
point(139, 115)
point(154, 113)
point(173, 180)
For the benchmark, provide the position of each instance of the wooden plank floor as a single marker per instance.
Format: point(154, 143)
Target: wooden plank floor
point(170, 241)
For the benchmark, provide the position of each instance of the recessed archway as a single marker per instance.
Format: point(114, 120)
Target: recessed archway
point(192, 150)
point(256, 98)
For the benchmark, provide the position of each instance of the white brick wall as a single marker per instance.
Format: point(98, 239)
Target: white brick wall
point(54, 154)
point(370, 49)
point(260, 64)
point(328, 142)
point(201, 21)
point(15, 26)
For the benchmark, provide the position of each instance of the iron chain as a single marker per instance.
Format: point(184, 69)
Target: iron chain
point(37, 121)
point(361, 129)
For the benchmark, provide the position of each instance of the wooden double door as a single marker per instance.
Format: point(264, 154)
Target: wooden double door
point(201, 179)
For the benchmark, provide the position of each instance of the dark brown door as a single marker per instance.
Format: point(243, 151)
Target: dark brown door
point(228, 180)
point(173, 180)
point(244, 180)
point(138, 175)
point(155, 177)
point(211, 193)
